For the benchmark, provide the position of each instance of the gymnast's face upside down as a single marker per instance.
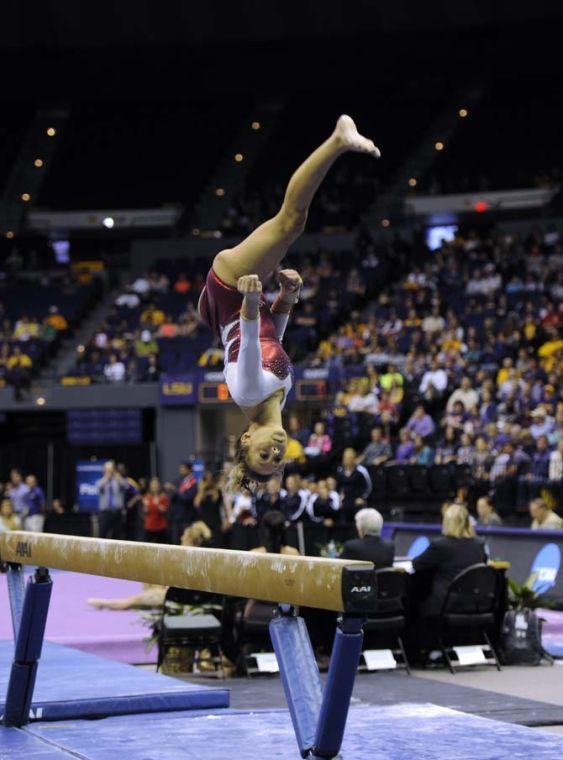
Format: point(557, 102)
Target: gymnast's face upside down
point(263, 448)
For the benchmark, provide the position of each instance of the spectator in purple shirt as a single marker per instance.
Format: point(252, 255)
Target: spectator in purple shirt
point(34, 505)
point(421, 423)
point(405, 448)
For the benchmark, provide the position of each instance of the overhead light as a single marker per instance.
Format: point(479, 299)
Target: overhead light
point(38, 163)
point(81, 348)
point(40, 401)
point(108, 222)
point(385, 222)
point(9, 234)
point(51, 131)
point(463, 112)
point(196, 231)
point(412, 182)
point(220, 192)
point(26, 197)
point(217, 234)
point(239, 157)
point(439, 146)
point(255, 125)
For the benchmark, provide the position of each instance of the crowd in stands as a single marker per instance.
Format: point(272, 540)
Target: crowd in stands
point(154, 326)
point(38, 306)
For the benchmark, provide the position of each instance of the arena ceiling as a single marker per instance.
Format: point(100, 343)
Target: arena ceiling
point(133, 48)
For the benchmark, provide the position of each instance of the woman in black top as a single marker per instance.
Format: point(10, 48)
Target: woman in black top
point(457, 549)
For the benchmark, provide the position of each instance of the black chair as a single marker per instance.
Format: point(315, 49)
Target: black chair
point(441, 482)
point(254, 634)
point(197, 630)
point(389, 617)
point(470, 603)
point(398, 481)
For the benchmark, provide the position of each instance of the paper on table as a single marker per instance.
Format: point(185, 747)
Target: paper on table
point(472, 655)
point(266, 662)
point(379, 659)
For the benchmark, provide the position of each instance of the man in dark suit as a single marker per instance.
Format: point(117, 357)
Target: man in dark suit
point(369, 546)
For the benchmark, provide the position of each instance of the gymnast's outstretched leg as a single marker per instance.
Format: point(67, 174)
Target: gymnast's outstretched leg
point(261, 252)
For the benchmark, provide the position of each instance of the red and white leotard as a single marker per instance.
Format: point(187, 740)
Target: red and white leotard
point(256, 366)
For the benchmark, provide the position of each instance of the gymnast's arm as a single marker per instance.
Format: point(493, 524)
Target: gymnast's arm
point(249, 362)
point(290, 286)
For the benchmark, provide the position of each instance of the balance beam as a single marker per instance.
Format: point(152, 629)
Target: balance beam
point(328, 584)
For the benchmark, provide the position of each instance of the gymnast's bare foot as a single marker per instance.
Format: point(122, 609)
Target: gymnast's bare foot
point(350, 139)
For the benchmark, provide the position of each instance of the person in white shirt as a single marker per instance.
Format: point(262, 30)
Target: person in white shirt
point(434, 322)
point(257, 369)
point(556, 463)
point(466, 394)
point(114, 371)
point(434, 381)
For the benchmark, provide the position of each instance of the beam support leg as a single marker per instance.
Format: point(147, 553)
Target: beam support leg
point(29, 643)
point(338, 688)
point(299, 674)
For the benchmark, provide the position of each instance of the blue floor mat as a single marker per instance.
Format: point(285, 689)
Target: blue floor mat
point(397, 732)
point(73, 684)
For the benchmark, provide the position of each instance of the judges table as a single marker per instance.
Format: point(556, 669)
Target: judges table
point(534, 553)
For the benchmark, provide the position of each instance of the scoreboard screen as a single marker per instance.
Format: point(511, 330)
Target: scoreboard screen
point(213, 393)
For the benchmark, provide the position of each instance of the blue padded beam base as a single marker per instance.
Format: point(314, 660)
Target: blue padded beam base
point(16, 593)
point(29, 643)
point(300, 676)
point(338, 688)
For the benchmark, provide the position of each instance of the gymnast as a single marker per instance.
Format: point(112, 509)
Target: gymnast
point(258, 372)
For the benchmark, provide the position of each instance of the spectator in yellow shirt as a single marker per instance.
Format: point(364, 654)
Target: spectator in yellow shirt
point(153, 316)
point(294, 452)
point(18, 360)
point(56, 319)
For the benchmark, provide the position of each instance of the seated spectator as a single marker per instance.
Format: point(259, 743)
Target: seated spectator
point(556, 464)
point(182, 284)
point(354, 484)
point(363, 399)
point(296, 430)
point(9, 520)
point(369, 546)
point(319, 442)
point(26, 329)
point(391, 378)
point(168, 329)
point(466, 452)
point(145, 344)
point(152, 316)
point(543, 517)
point(446, 557)
point(467, 395)
point(542, 423)
point(446, 449)
point(56, 319)
point(455, 417)
point(421, 423)
point(294, 452)
point(18, 361)
point(434, 322)
point(129, 299)
point(486, 514)
point(422, 453)
point(155, 513)
point(434, 382)
point(377, 451)
point(114, 371)
point(405, 447)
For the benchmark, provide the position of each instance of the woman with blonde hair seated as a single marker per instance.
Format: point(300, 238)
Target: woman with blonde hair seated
point(457, 549)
